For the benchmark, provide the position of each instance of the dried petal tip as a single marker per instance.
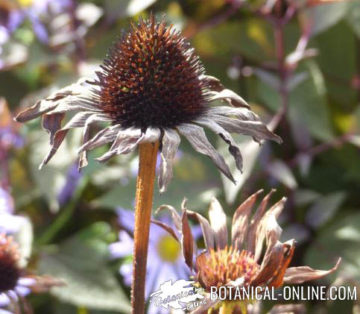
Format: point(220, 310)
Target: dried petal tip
point(151, 78)
point(9, 270)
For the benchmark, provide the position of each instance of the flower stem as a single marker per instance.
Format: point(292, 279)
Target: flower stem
point(143, 206)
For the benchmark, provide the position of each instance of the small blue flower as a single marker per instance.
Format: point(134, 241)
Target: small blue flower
point(165, 260)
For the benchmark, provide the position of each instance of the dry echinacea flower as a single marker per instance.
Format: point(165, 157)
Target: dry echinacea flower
point(255, 257)
point(151, 87)
point(15, 282)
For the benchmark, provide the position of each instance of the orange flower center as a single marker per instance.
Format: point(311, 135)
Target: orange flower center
point(219, 267)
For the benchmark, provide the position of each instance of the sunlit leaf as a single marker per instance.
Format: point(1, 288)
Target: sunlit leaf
point(81, 262)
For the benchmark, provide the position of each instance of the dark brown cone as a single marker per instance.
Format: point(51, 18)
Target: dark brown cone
point(9, 270)
point(151, 77)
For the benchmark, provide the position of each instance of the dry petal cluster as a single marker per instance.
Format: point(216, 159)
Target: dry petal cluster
point(252, 234)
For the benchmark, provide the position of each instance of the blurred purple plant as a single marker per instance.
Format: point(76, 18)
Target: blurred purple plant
point(37, 12)
point(72, 180)
point(9, 222)
point(165, 259)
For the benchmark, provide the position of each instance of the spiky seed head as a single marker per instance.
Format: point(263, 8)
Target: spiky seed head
point(151, 78)
point(9, 269)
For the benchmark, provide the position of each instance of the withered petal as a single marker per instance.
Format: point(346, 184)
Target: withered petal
point(218, 223)
point(240, 220)
point(208, 233)
point(198, 140)
point(254, 224)
point(225, 135)
point(288, 253)
point(298, 275)
point(254, 128)
point(104, 136)
point(187, 241)
point(270, 265)
point(174, 215)
point(125, 142)
point(170, 145)
point(269, 229)
point(166, 228)
point(229, 96)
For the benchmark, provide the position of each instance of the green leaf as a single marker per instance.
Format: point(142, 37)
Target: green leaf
point(342, 239)
point(322, 17)
point(324, 208)
point(353, 17)
point(81, 262)
point(308, 103)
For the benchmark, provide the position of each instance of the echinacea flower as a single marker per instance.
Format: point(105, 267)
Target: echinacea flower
point(15, 283)
point(151, 87)
point(255, 257)
point(166, 260)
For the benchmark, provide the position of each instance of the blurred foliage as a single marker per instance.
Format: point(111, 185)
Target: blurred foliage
point(317, 167)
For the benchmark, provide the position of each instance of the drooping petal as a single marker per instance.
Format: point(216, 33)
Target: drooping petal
point(269, 229)
point(125, 142)
point(240, 220)
point(104, 136)
point(68, 98)
point(241, 121)
point(298, 275)
point(174, 215)
point(229, 96)
point(187, 241)
point(52, 123)
point(166, 228)
point(170, 144)
point(225, 135)
point(254, 225)
point(198, 140)
point(218, 223)
point(274, 265)
point(208, 233)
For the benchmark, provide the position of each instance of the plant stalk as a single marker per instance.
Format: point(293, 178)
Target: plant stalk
point(143, 206)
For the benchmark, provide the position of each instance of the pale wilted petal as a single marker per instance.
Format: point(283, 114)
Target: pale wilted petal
point(218, 223)
point(225, 135)
point(269, 228)
point(166, 227)
point(198, 140)
point(52, 123)
point(125, 142)
point(240, 220)
point(275, 264)
point(254, 128)
point(298, 275)
point(65, 96)
point(208, 233)
point(170, 145)
point(174, 215)
point(254, 224)
point(86, 132)
point(151, 135)
point(229, 96)
point(104, 136)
